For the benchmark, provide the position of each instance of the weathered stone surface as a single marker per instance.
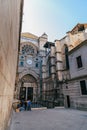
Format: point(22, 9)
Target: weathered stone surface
point(9, 37)
point(64, 69)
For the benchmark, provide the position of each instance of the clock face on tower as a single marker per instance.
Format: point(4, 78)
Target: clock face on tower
point(29, 62)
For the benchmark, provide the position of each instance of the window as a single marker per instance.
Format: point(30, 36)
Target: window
point(27, 49)
point(49, 67)
point(66, 57)
point(23, 52)
point(66, 87)
point(22, 57)
point(21, 63)
point(83, 87)
point(36, 65)
point(49, 70)
point(79, 62)
point(81, 28)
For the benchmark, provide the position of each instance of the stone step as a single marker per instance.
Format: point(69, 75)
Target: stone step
point(39, 108)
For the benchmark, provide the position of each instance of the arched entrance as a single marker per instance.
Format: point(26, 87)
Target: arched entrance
point(29, 88)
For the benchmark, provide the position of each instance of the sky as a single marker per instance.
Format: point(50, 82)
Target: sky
point(54, 17)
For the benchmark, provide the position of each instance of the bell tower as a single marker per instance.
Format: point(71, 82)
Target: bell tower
point(42, 40)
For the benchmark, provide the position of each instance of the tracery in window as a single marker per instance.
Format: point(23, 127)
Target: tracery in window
point(27, 49)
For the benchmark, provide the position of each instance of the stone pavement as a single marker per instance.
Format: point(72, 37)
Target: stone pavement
point(50, 119)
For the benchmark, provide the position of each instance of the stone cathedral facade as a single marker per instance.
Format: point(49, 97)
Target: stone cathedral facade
point(30, 66)
point(54, 73)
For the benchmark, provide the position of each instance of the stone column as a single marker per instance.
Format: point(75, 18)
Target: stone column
point(43, 75)
point(53, 63)
point(58, 60)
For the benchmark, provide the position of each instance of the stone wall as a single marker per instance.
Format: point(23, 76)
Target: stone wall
point(74, 70)
point(10, 14)
point(73, 90)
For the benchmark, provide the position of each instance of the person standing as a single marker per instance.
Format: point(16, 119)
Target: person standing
point(25, 105)
point(29, 105)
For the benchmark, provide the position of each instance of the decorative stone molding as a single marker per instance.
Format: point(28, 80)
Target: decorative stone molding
point(30, 72)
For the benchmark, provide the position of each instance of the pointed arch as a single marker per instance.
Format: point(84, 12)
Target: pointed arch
point(65, 56)
point(30, 72)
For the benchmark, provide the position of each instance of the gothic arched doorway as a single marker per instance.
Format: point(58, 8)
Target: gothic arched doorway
point(29, 88)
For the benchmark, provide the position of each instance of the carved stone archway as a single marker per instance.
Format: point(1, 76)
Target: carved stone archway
point(31, 72)
point(28, 79)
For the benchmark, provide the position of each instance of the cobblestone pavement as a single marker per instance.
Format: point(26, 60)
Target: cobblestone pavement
point(50, 119)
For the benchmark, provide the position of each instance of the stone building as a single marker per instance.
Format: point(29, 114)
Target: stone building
point(28, 81)
point(76, 92)
point(10, 28)
point(51, 92)
point(73, 38)
point(56, 70)
point(46, 71)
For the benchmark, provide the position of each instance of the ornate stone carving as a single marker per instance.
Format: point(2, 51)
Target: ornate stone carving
point(28, 79)
point(27, 49)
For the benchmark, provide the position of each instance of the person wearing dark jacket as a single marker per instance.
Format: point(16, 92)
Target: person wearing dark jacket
point(29, 105)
